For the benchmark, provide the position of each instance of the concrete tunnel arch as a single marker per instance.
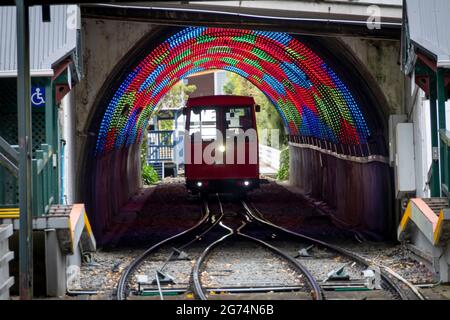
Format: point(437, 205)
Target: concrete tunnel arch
point(317, 92)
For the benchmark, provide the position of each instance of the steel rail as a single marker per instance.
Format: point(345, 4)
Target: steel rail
point(317, 293)
point(198, 288)
point(121, 287)
point(412, 287)
point(355, 257)
point(199, 236)
point(241, 289)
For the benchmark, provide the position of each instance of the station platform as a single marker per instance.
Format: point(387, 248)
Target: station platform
point(425, 230)
point(60, 240)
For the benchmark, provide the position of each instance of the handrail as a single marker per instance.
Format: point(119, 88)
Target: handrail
point(363, 153)
point(269, 156)
point(363, 160)
point(43, 177)
point(445, 161)
point(10, 151)
point(47, 154)
point(44, 182)
point(9, 165)
point(445, 136)
point(9, 157)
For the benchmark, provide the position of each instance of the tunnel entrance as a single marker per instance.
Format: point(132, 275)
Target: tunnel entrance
point(332, 110)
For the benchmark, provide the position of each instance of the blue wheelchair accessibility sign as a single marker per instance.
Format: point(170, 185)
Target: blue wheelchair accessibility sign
point(38, 96)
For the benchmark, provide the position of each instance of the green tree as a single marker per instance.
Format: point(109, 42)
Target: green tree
point(148, 173)
point(283, 172)
point(176, 96)
point(174, 99)
point(269, 117)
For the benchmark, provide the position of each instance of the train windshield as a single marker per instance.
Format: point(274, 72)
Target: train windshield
point(238, 119)
point(203, 121)
point(208, 122)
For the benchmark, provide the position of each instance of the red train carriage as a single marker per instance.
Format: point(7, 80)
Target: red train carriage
point(223, 145)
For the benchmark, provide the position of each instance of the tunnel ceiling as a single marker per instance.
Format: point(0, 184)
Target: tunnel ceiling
point(311, 98)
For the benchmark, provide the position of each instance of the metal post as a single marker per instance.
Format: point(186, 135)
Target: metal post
point(25, 151)
point(175, 143)
point(442, 98)
point(435, 184)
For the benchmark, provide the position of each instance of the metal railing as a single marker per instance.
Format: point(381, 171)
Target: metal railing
point(269, 156)
point(160, 146)
point(44, 183)
point(44, 192)
point(363, 153)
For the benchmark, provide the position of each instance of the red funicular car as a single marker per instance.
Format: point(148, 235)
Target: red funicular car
point(221, 149)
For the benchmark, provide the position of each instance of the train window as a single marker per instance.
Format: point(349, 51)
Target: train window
point(238, 118)
point(205, 122)
point(238, 121)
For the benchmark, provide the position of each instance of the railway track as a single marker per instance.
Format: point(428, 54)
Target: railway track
point(203, 226)
point(242, 223)
point(309, 284)
point(391, 282)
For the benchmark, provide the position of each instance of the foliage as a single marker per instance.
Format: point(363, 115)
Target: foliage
point(283, 172)
point(268, 118)
point(166, 125)
point(149, 175)
point(177, 96)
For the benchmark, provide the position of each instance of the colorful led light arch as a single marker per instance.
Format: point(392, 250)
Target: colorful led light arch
point(311, 99)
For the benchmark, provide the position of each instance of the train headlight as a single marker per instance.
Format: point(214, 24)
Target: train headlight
point(222, 148)
point(246, 183)
point(199, 184)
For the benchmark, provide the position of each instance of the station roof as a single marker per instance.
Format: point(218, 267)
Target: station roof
point(428, 24)
point(50, 42)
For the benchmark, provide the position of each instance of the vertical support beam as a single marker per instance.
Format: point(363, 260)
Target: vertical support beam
point(175, 142)
point(51, 116)
point(442, 98)
point(435, 184)
point(52, 133)
point(25, 151)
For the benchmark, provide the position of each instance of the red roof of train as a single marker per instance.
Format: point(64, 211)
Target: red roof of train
point(219, 101)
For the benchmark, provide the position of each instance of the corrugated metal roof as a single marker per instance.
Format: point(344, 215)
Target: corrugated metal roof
point(49, 41)
point(429, 25)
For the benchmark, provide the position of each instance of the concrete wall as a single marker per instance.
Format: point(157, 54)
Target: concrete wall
point(361, 195)
point(115, 177)
point(357, 193)
point(204, 84)
point(106, 44)
point(389, 8)
point(381, 58)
